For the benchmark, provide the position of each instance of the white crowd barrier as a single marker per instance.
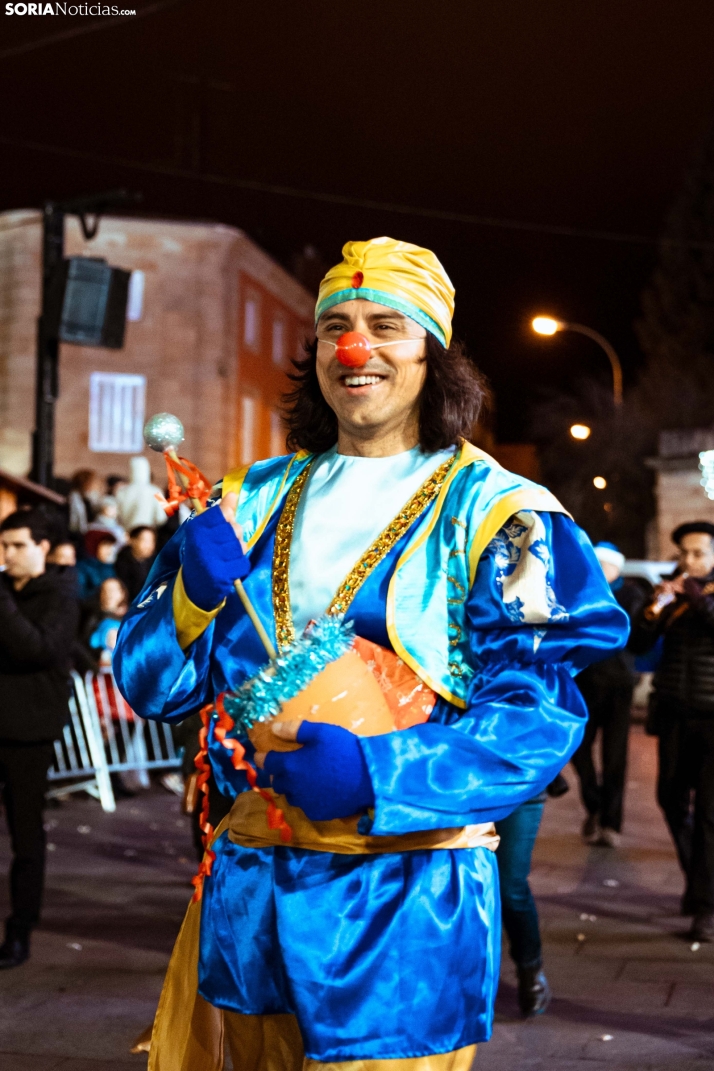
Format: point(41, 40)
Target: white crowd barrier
point(104, 736)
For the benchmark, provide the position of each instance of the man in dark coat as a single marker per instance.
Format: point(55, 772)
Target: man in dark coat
point(607, 689)
point(38, 623)
point(682, 713)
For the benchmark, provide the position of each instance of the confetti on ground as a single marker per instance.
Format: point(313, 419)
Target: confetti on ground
point(612, 883)
point(588, 918)
point(51, 847)
point(606, 1037)
point(695, 947)
point(84, 829)
point(581, 937)
point(74, 945)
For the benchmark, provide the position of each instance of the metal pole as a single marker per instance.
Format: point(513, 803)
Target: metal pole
point(47, 381)
point(612, 356)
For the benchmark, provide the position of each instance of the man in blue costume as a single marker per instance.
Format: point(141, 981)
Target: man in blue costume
point(372, 940)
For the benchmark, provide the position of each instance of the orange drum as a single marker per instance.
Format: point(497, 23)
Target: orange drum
point(368, 690)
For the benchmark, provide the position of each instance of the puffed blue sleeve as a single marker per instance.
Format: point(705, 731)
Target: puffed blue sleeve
point(540, 610)
point(157, 678)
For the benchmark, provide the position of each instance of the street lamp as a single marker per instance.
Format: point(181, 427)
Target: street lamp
point(580, 431)
point(548, 325)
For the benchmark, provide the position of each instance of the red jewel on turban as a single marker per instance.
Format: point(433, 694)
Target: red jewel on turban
point(357, 280)
point(353, 349)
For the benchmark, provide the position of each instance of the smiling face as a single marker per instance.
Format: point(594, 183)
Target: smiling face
point(377, 406)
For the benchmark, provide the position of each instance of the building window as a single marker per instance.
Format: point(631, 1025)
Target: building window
point(248, 407)
point(116, 412)
point(278, 342)
point(135, 299)
point(251, 321)
point(277, 435)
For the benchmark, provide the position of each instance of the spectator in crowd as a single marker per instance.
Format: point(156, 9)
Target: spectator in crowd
point(99, 633)
point(135, 560)
point(38, 623)
point(114, 482)
point(105, 520)
point(63, 553)
point(92, 571)
point(682, 713)
point(137, 501)
point(83, 499)
point(607, 688)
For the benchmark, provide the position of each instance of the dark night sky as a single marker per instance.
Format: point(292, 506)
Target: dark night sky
point(556, 112)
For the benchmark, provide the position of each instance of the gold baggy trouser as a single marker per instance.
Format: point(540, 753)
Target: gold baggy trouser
point(190, 1034)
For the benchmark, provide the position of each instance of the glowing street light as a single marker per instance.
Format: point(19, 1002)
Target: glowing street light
point(600, 482)
point(580, 431)
point(548, 325)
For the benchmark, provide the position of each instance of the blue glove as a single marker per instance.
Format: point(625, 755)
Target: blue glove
point(212, 559)
point(327, 778)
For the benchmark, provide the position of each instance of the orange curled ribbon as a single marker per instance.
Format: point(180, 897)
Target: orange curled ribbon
point(197, 485)
point(275, 817)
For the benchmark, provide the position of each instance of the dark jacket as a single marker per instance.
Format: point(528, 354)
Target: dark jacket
point(685, 677)
point(618, 671)
point(132, 571)
point(37, 631)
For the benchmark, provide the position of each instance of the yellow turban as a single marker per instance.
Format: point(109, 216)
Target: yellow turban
point(397, 274)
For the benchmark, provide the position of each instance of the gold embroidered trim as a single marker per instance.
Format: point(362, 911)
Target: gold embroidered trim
point(388, 538)
point(284, 629)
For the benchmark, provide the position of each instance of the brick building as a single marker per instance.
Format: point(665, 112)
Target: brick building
point(679, 490)
point(213, 323)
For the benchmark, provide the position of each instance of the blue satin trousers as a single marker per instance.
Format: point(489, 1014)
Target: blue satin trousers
point(378, 956)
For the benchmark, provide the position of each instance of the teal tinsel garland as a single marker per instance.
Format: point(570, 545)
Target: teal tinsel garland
point(261, 698)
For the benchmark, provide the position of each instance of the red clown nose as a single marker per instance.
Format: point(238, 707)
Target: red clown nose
point(353, 349)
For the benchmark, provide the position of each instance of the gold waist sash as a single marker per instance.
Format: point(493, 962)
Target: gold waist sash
point(247, 826)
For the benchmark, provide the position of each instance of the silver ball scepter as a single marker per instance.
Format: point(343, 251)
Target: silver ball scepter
point(163, 432)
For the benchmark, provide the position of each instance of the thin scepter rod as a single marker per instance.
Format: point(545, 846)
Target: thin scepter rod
point(163, 432)
point(237, 584)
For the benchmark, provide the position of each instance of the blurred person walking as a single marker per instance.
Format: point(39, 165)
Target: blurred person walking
point(607, 688)
point(136, 501)
point(38, 623)
point(134, 561)
point(519, 913)
point(682, 713)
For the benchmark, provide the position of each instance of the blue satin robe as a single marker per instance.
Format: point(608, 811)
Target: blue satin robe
point(394, 955)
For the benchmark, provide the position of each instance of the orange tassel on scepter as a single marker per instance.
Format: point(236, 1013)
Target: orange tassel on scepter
point(163, 433)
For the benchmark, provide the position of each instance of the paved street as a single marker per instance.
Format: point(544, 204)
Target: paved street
point(118, 886)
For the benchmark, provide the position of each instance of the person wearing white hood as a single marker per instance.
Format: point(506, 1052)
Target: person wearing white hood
point(136, 500)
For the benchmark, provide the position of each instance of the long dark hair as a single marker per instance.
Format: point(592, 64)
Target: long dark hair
point(451, 399)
